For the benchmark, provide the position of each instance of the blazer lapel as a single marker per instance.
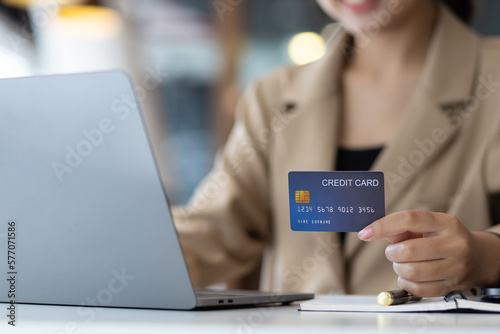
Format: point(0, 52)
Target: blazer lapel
point(310, 139)
point(424, 134)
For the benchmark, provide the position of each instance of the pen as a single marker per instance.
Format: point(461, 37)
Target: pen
point(395, 297)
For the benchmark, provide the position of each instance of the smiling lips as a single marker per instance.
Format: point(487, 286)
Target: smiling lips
point(359, 6)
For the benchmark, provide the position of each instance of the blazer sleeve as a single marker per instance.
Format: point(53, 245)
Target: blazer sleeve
point(226, 224)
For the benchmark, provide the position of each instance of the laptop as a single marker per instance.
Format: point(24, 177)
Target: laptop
point(84, 218)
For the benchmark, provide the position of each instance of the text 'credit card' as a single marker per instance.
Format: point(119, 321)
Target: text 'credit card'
point(335, 201)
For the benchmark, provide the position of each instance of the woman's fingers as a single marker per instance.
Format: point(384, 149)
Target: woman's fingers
point(409, 224)
point(432, 253)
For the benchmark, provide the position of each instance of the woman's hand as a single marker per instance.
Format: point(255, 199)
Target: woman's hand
point(434, 253)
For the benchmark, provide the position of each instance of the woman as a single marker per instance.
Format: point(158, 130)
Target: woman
point(406, 88)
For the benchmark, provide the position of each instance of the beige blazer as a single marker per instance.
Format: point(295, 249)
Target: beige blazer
point(445, 157)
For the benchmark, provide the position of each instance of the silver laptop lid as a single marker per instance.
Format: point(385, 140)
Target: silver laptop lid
point(80, 191)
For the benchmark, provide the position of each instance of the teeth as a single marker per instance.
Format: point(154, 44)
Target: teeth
point(355, 2)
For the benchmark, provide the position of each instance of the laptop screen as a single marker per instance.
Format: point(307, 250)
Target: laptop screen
point(78, 182)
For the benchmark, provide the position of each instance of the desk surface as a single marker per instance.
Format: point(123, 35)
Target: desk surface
point(281, 319)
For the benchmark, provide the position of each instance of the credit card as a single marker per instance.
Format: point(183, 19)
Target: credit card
point(335, 201)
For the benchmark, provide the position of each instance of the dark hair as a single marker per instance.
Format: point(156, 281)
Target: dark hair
point(464, 9)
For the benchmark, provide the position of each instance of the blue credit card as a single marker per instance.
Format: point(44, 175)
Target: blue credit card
point(335, 201)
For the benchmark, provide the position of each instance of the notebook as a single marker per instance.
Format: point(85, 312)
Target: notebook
point(84, 218)
point(356, 303)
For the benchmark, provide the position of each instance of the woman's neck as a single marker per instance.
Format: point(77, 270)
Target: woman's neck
point(399, 47)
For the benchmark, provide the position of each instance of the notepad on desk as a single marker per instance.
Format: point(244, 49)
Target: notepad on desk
point(356, 303)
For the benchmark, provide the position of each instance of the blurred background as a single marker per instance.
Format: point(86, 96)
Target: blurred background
point(189, 59)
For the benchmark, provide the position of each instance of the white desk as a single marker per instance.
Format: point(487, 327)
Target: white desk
point(35, 319)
